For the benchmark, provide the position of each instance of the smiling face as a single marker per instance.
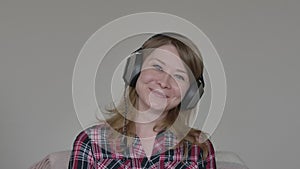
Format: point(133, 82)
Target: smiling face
point(163, 81)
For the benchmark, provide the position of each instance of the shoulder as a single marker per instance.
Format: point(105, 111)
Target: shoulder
point(204, 144)
point(93, 132)
point(203, 138)
point(97, 128)
point(204, 147)
point(209, 156)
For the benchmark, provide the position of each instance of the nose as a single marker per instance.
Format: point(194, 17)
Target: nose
point(164, 80)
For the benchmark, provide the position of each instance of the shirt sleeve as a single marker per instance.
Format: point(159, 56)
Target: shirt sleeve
point(81, 156)
point(210, 159)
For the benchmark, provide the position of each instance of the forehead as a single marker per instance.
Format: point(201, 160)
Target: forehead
point(167, 54)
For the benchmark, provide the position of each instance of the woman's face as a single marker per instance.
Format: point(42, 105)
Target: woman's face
point(163, 81)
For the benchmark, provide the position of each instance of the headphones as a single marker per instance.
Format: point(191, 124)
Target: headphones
point(132, 72)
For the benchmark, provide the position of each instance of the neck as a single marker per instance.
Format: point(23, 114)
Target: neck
point(146, 118)
point(145, 122)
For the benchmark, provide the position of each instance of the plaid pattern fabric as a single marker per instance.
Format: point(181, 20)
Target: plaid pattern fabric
point(93, 150)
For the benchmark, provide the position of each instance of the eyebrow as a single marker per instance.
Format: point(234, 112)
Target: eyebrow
point(179, 70)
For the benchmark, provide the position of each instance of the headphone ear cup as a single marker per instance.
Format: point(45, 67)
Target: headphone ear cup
point(192, 96)
point(133, 68)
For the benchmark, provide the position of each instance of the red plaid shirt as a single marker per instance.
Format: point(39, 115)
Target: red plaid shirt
point(92, 150)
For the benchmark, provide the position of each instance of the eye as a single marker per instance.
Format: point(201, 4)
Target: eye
point(158, 67)
point(179, 77)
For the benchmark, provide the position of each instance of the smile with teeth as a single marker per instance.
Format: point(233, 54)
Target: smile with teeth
point(158, 93)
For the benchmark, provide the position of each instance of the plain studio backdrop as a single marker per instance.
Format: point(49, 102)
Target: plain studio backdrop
point(258, 43)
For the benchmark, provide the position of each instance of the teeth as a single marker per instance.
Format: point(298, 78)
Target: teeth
point(159, 93)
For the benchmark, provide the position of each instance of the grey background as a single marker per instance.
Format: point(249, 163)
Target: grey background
point(258, 42)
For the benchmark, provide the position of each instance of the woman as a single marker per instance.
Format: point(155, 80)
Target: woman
point(149, 128)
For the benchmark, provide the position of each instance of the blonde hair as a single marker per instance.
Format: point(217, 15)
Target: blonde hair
point(175, 119)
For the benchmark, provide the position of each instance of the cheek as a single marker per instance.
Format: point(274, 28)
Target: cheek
point(181, 90)
point(145, 77)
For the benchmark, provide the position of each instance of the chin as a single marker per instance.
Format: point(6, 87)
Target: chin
point(157, 106)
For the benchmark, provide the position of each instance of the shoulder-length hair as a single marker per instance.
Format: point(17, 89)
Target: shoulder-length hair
point(176, 120)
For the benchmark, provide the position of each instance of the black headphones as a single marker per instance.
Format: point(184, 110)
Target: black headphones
point(133, 69)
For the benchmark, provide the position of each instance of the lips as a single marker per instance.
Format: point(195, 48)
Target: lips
point(158, 93)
